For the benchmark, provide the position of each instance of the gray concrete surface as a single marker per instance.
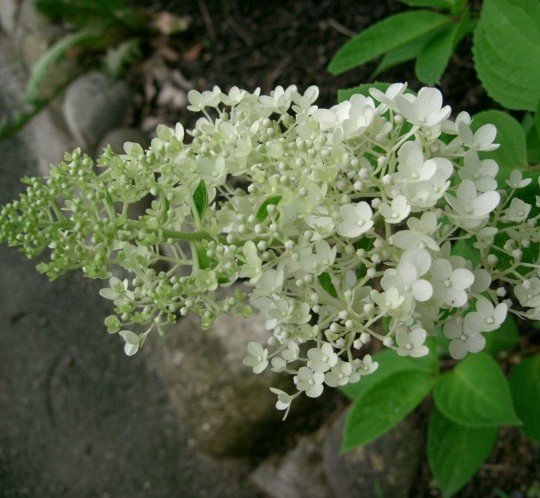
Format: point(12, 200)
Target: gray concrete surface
point(79, 419)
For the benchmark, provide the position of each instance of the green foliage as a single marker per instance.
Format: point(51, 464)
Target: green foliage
point(433, 57)
point(475, 394)
point(506, 39)
point(506, 50)
point(384, 405)
point(200, 198)
point(532, 138)
point(82, 13)
point(40, 69)
point(524, 383)
point(505, 338)
point(262, 212)
point(387, 35)
point(392, 364)
point(512, 153)
point(326, 283)
point(436, 4)
point(455, 452)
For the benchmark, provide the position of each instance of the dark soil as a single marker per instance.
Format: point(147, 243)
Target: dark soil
point(253, 44)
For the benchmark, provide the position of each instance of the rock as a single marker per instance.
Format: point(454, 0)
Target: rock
point(119, 136)
point(78, 417)
point(93, 105)
point(44, 140)
point(299, 474)
point(34, 34)
point(8, 12)
point(385, 467)
point(228, 408)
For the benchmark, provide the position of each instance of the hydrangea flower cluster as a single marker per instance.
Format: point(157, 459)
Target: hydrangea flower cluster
point(332, 218)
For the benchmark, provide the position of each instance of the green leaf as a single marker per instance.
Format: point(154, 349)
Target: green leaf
point(386, 35)
point(537, 119)
point(506, 48)
point(475, 394)
point(204, 260)
point(262, 212)
point(524, 383)
point(436, 4)
point(533, 140)
point(401, 54)
point(40, 69)
point(384, 405)
point(363, 89)
point(512, 153)
point(435, 55)
point(389, 364)
point(456, 452)
point(326, 283)
point(200, 198)
point(506, 337)
point(466, 250)
point(458, 6)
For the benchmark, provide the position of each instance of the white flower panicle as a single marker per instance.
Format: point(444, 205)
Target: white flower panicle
point(333, 218)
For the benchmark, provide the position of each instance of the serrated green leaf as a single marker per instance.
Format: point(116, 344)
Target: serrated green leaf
point(505, 338)
point(435, 55)
point(384, 405)
point(476, 394)
point(524, 383)
point(436, 4)
point(456, 452)
point(326, 283)
point(386, 35)
point(389, 364)
point(506, 40)
point(262, 212)
point(512, 153)
point(200, 198)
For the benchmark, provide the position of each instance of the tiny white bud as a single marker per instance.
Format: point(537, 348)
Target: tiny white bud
point(387, 180)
